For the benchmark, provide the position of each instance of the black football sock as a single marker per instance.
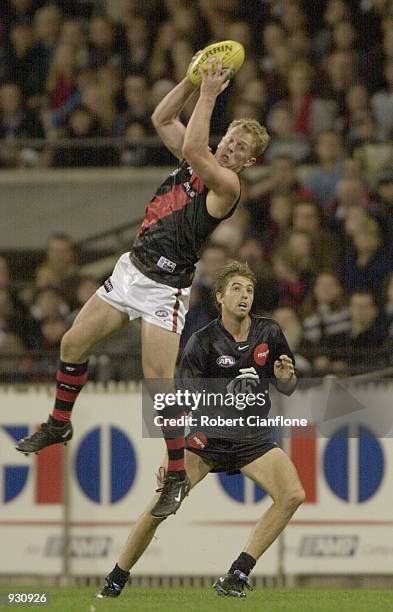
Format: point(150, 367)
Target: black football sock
point(119, 576)
point(245, 563)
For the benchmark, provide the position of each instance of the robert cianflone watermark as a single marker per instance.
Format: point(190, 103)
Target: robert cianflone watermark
point(243, 404)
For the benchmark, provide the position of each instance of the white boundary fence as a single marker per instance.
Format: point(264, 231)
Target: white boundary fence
point(345, 526)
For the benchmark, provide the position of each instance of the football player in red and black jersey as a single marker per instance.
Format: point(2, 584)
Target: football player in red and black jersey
point(153, 280)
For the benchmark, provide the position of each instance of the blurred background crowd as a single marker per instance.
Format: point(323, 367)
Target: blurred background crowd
point(315, 223)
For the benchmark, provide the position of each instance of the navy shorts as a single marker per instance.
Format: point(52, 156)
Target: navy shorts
point(228, 455)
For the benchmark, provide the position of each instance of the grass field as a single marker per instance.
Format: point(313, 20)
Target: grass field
point(76, 599)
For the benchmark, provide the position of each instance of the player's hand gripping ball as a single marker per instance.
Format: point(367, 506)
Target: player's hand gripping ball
point(230, 52)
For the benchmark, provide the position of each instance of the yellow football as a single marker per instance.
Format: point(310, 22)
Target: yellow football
point(229, 51)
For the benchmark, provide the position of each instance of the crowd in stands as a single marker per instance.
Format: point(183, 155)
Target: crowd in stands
point(316, 221)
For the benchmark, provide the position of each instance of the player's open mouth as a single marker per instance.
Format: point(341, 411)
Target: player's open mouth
point(243, 305)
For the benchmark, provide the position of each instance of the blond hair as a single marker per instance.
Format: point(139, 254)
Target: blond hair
point(259, 133)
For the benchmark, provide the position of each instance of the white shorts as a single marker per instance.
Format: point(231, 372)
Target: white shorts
point(137, 295)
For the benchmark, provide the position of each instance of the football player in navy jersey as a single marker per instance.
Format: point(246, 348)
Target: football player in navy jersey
point(153, 280)
point(236, 348)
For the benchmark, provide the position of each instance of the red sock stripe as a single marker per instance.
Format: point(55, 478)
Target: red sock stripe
point(176, 311)
point(71, 380)
point(61, 415)
point(174, 443)
point(67, 396)
point(175, 465)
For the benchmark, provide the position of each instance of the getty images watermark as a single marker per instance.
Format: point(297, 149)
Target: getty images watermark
point(322, 408)
point(195, 403)
point(240, 406)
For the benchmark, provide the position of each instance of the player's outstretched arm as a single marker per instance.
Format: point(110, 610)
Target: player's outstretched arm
point(166, 120)
point(222, 181)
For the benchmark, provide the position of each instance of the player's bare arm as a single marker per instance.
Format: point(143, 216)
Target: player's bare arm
point(223, 182)
point(284, 372)
point(165, 117)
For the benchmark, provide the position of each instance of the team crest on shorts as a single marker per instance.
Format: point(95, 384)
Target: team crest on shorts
point(261, 353)
point(197, 440)
point(162, 314)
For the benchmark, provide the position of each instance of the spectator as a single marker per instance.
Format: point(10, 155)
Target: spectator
point(84, 78)
point(291, 326)
point(300, 245)
point(135, 55)
point(99, 100)
point(13, 12)
point(307, 218)
point(12, 309)
point(325, 315)
point(249, 73)
point(300, 46)
point(272, 36)
point(134, 153)
point(87, 286)
point(11, 351)
point(17, 122)
point(241, 31)
point(311, 114)
point(323, 180)
point(342, 72)
point(382, 104)
point(278, 223)
point(285, 140)
point(110, 78)
point(202, 303)
point(82, 125)
point(137, 98)
point(291, 286)
point(160, 65)
point(357, 106)
point(60, 84)
point(255, 95)
point(72, 34)
point(25, 63)
point(335, 12)
point(282, 179)
point(368, 332)
point(102, 47)
point(60, 269)
point(181, 55)
point(266, 294)
point(276, 76)
point(351, 192)
point(47, 27)
point(344, 36)
point(365, 265)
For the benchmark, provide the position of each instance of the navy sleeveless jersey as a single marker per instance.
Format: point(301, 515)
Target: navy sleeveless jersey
point(214, 362)
point(175, 228)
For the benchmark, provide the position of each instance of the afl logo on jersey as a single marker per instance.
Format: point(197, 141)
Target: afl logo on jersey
point(226, 361)
point(261, 353)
